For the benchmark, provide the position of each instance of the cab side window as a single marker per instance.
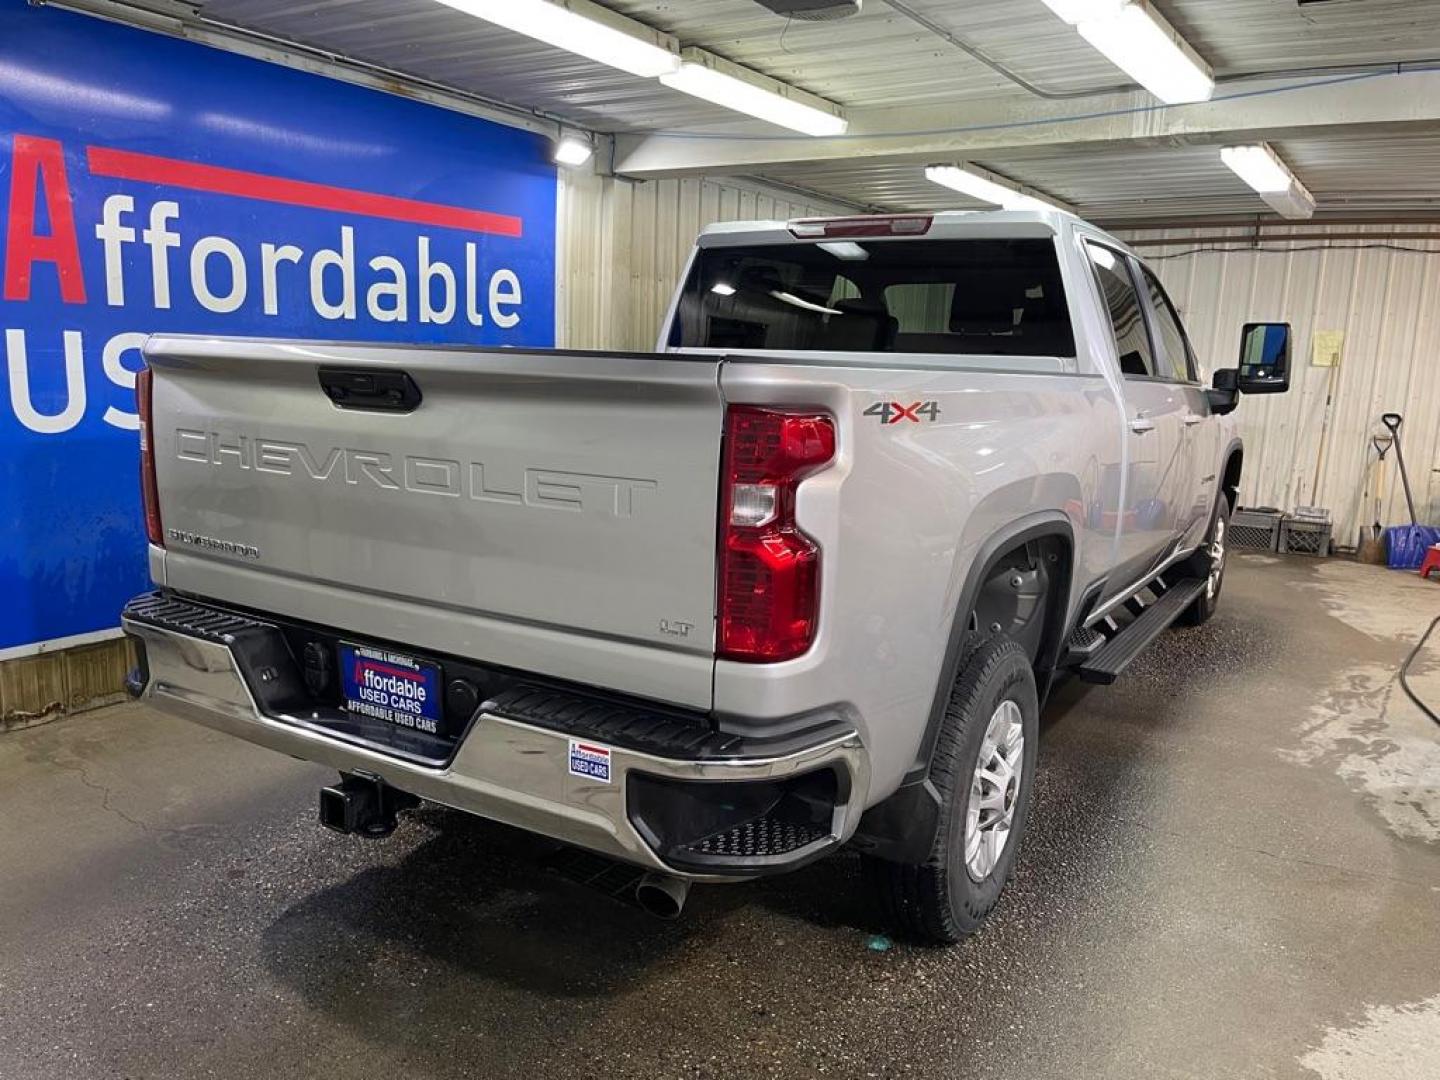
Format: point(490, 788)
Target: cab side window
point(1127, 318)
point(1178, 362)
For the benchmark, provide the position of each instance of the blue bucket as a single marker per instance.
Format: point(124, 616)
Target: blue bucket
point(1405, 545)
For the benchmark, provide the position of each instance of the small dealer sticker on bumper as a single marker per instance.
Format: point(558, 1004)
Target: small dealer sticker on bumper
point(590, 761)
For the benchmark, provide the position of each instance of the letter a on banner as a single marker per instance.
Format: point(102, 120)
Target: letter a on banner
point(40, 164)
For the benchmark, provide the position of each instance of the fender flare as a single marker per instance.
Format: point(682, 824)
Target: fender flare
point(902, 826)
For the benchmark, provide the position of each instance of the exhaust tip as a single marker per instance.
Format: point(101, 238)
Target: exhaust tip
point(662, 896)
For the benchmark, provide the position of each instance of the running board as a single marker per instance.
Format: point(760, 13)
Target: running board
point(1105, 664)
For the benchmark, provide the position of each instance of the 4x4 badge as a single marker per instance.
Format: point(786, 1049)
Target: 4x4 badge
point(892, 412)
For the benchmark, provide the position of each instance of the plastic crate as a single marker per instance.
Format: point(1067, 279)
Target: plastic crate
point(1300, 537)
point(1255, 530)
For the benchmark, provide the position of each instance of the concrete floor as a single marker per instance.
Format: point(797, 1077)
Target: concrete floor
point(1233, 871)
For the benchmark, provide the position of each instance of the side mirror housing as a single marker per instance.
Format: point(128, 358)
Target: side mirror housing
point(1226, 395)
point(1264, 359)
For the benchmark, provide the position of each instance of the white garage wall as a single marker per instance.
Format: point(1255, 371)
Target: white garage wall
point(1386, 301)
point(623, 246)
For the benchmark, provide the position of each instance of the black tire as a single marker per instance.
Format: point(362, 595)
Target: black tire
point(1203, 563)
point(940, 901)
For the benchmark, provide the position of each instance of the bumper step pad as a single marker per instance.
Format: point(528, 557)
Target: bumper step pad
point(208, 624)
point(648, 731)
point(761, 838)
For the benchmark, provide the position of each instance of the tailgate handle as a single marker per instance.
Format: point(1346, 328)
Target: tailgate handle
point(368, 388)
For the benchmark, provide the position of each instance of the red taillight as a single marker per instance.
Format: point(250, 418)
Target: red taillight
point(769, 569)
point(148, 492)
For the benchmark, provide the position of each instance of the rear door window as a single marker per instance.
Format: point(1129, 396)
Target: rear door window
point(1127, 319)
point(961, 297)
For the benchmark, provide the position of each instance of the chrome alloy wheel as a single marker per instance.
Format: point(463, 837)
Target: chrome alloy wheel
point(1217, 559)
point(994, 790)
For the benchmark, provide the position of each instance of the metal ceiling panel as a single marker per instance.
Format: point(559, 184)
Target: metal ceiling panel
point(1371, 172)
point(883, 58)
point(877, 58)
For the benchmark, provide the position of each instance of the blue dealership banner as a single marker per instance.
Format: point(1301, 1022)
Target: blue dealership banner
point(154, 185)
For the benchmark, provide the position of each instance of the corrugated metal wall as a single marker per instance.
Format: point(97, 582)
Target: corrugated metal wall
point(623, 245)
point(1385, 297)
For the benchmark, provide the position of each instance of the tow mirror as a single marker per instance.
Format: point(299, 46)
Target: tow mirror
point(1264, 359)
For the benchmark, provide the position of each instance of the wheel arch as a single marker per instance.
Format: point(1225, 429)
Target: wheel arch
point(1231, 471)
point(902, 826)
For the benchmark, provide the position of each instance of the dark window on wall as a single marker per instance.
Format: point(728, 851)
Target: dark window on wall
point(1179, 362)
point(1117, 287)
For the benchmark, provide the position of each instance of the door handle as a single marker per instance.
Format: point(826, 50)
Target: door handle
point(1191, 419)
point(1142, 424)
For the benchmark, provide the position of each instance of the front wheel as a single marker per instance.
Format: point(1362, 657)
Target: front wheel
point(1209, 562)
point(983, 771)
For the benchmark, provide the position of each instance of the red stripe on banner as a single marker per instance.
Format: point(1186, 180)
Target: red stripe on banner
point(150, 169)
point(376, 665)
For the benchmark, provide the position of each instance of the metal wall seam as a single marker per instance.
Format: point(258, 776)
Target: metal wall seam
point(623, 246)
point(1382, 299)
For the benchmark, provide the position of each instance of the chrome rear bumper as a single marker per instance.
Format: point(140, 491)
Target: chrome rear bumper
point(504, 769)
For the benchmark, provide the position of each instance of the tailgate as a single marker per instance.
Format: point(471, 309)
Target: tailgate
point(549, 511)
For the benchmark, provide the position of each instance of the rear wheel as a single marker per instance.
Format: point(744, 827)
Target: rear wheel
point(1209, 562)
point(983, 771)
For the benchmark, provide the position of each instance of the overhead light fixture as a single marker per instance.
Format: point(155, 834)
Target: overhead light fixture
point(1135, 37)
point(1260, 167)
point(1075, 12)
point(723, 288)
point(709, 77)
point(844, 249)
point(583, 28)
point(988, 187)
point(1297, 203)
point(573, 150)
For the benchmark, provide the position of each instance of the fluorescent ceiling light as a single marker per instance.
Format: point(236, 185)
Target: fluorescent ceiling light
point(1258, 166)
point(1136, 38)
point(723, 288)
point(573, 150)
point(1152, 54)
point(1077, 11)
point(987, 187)
point(713, 79)
point(845, 249)
point(1261, 168)
point(1296, 203)
point(583, 28)
point(969, 182)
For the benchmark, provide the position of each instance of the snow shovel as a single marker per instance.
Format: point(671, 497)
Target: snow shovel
point(1406, 544)
point(1371, 548)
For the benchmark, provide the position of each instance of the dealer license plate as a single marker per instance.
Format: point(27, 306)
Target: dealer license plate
point(387, 686)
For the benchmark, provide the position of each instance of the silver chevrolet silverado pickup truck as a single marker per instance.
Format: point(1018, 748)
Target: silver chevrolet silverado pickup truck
point(799, 578)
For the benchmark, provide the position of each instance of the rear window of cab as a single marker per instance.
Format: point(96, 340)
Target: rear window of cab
point(961, 297)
